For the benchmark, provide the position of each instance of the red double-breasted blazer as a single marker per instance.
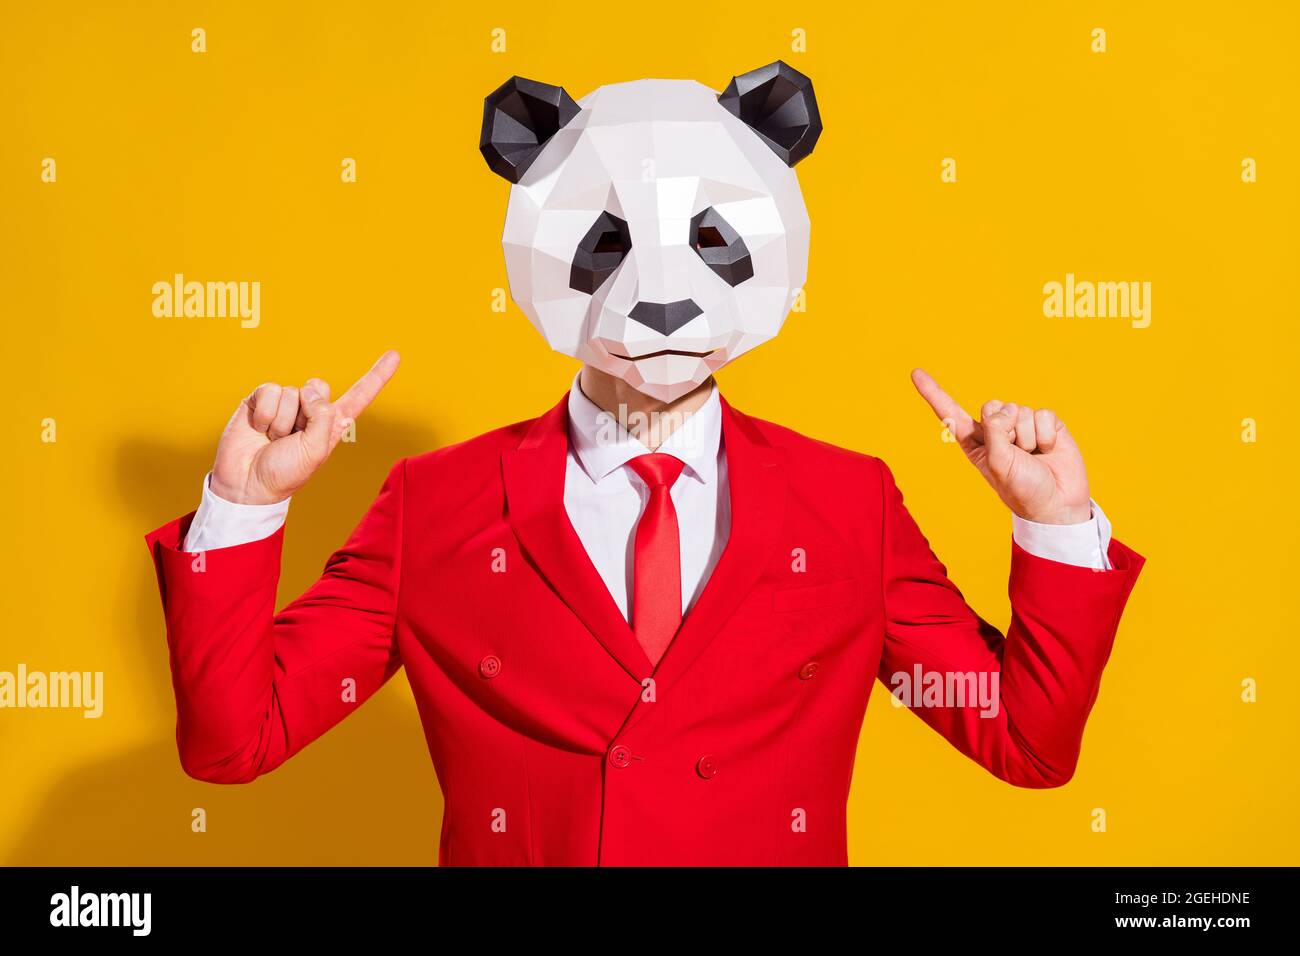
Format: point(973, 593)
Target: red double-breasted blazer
point(541, 711)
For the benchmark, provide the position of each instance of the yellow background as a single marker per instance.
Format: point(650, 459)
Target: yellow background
point(225, 165)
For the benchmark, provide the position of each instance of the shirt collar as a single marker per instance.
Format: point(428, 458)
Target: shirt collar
point(603, 445)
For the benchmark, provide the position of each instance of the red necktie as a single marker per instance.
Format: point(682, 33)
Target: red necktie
point(657, 568)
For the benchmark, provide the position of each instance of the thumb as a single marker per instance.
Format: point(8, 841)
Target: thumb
point(320, 415)
point(999, 436)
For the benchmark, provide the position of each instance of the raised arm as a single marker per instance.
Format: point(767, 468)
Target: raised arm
point(1016, 704)
point(253, 687)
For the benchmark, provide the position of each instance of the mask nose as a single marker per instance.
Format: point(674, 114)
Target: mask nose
point(665, 317)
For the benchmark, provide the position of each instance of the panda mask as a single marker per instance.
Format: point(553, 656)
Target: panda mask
point(655, 229)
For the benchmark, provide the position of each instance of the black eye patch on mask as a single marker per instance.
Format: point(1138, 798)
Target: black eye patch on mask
point(721, 247)
point(600, 252)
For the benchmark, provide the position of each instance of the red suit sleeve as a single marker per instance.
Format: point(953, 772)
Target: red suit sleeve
point(254, 687)
point(1047, 667)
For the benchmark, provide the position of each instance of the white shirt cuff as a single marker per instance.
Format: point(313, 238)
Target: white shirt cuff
point(224, 524)
point(1085, 545)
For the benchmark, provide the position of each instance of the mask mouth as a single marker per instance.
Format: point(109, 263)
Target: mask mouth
point(637, 358)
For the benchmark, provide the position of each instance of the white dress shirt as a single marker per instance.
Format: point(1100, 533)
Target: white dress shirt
point(604, 499)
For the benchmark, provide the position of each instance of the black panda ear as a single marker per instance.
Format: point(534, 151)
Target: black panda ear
point(777, 102)
point(519, 116)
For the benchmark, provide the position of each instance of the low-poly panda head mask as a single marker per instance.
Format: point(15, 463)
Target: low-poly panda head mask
point(655, 229)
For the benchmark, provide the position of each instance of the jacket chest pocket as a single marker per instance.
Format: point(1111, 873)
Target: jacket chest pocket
point(819, 618)
point(811, 597)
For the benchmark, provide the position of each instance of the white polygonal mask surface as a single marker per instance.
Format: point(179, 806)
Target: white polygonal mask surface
point(679, 180)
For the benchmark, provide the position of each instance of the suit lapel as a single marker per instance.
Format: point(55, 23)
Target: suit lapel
point(534, 483)
point(534, 475)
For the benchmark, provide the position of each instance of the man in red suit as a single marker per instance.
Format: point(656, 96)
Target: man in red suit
point(643, 627)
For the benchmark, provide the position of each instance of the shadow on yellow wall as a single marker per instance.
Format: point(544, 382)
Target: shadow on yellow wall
point(138, 806)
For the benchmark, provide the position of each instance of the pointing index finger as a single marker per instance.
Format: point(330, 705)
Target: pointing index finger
point(354, 401)
point(943, 404)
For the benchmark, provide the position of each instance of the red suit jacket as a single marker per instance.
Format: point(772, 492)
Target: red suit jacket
point(533, 689)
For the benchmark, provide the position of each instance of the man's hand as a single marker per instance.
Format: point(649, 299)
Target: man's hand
point(280, 435)
point(1027, 455)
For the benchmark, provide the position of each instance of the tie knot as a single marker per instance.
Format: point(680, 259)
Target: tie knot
point(656, 470)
